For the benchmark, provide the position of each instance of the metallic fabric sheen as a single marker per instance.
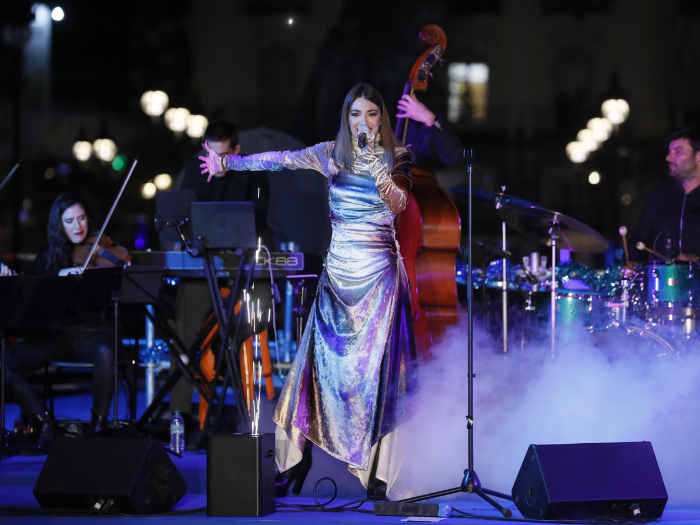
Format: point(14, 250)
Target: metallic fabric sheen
point(347, 386)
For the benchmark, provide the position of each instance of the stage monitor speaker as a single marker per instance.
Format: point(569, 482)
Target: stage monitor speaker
point(241, 475)
point(137, 474)
point(590, 480)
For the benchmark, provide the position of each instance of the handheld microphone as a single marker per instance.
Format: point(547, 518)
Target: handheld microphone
point(362, 139)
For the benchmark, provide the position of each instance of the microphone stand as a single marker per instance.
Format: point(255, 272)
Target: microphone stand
point(470, 481)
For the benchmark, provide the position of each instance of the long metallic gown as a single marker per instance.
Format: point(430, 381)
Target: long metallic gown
point(347, 386)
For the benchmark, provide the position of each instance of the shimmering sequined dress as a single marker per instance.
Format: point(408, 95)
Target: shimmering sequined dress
point(347, 386)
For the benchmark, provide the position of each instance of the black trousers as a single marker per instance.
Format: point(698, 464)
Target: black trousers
point(34, 353)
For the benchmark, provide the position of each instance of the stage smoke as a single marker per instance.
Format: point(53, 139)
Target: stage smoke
point(601, 387)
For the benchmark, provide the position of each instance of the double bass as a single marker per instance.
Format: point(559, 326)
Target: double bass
point(429, 229)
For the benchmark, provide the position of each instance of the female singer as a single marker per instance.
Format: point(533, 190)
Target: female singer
point(81, 335)
point(346, 389)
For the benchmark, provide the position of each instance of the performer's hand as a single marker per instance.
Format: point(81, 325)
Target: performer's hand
point(213, 164)
point(70, 271)
point(369, 149)
point(415, 110)
point(687, 257)
point(5, 271)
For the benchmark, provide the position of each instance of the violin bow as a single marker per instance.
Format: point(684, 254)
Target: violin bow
point(109, 216)
point(9, 176)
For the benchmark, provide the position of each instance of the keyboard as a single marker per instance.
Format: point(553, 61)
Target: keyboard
point(226, 264)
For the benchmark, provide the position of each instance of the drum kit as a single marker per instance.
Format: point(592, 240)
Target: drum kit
point(654, 307)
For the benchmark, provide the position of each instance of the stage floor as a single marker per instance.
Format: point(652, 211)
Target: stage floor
point(18, 505)
point(674, 441)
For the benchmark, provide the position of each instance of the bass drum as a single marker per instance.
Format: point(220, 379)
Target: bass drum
point(615, 342)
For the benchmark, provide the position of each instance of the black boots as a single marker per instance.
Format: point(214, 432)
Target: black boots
point(99, 425)
point(297, 474)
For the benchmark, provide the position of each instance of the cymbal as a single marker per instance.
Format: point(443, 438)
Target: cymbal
point(535, 223)
point(493, 198)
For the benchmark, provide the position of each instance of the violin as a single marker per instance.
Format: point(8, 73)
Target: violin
point(105, 254)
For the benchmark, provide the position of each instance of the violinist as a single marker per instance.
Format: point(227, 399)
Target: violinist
point(81, 335)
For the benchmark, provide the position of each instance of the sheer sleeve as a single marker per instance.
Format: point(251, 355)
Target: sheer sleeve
point(393, 189)
point(316, 157)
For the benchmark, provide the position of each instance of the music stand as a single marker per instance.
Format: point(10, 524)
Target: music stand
point(173, 214)
point(140, 287)
point(29, 302)
point(224, 225)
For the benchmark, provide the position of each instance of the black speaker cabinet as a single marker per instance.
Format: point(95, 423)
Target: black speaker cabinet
point(138, 474)
point(241, 475)
point(590, 480)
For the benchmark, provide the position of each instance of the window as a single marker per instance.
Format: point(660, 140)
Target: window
point(468, 85)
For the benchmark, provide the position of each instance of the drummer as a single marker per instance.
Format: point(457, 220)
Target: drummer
point(670, 221)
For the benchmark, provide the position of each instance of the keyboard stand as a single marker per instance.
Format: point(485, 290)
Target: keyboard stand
point(229, 327)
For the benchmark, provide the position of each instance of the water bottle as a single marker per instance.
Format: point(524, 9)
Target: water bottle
point(177, 433)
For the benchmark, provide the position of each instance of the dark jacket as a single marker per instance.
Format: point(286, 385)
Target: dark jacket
point(667, 209)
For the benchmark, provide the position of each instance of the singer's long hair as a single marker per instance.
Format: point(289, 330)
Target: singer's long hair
point(343, 153)
point(60, 246)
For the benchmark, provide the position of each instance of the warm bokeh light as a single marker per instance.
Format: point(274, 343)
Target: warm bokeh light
point(576, 152)
point(82, 150)
point(196, 125)
point(586, 137)
point(615, 110)
point(148, 190)
point(176, 119)
point(57, 14)
point(105, 149)
point(154, 103)
point(163, 181)
point(594, 178)
point(601, 128)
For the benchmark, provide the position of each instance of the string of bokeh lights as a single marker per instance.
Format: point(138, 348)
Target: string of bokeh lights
point(615, 111)
point(154, 104)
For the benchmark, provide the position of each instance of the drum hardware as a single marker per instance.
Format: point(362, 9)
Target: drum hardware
point(658, 343)
point(495, 199)
point(549, 228)
point(504, 293)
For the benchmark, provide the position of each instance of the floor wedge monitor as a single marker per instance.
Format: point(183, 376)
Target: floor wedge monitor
point(137, 474)
point(590, 480)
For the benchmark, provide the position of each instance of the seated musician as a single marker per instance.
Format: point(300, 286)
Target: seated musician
point(82, 334)
point(670, 221)
point(193, 302)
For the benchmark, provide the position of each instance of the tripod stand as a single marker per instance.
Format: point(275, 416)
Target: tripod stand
point(470, 482)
